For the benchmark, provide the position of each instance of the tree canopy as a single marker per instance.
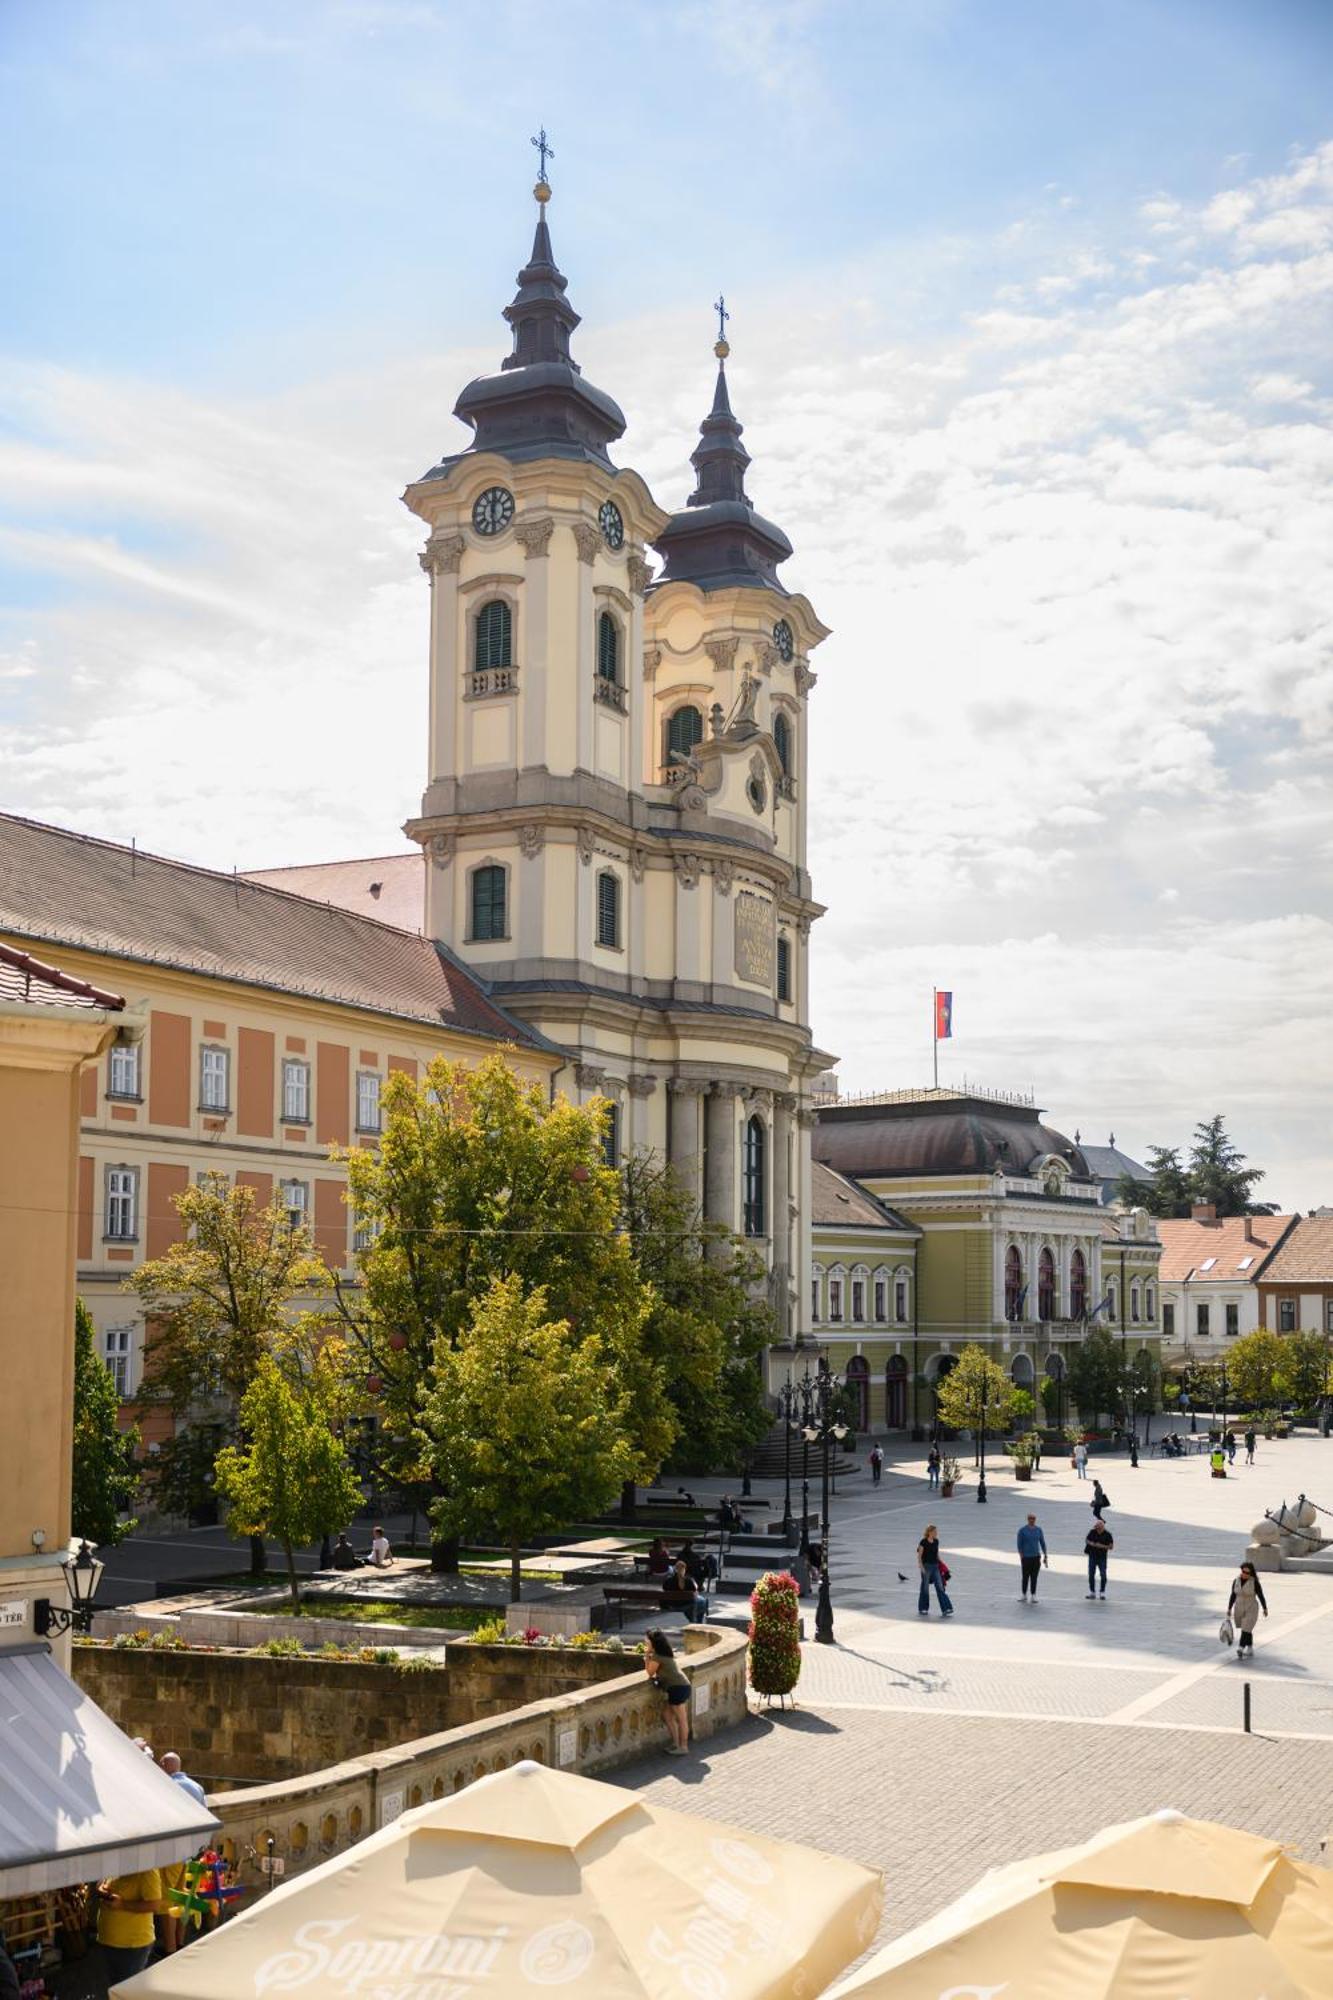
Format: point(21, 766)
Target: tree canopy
point(105, 1476)
point(1097, 1376)
point(525, 1423)
point(1216, 1173)
point(962, 1390)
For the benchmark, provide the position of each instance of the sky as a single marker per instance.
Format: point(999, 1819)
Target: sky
point(1031, 315)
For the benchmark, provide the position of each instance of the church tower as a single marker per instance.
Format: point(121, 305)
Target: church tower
point(615, 805)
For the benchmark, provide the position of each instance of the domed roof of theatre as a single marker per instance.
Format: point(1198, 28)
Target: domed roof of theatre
point(941, 1132)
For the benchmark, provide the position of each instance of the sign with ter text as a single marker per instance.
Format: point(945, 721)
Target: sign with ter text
point(754, 939)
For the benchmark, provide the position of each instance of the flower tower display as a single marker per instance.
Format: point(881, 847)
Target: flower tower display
point(775, 1635)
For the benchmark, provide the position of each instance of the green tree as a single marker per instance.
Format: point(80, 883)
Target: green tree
point(1049, 1391)
point(1096, 1375)
point(1166, 1191)
point(105, 1475)
point(1305, 1367)
point(1256, 1365)
point(962, 1391)
point(216, 1302)
point(525, 1422)
point(476, 1178)
point(1217, 1170)
point(291, 1477)
point(1145, 1383)
point(709, 1321)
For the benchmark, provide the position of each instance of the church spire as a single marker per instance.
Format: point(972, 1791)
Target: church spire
point(719, 540)
point(538, 405)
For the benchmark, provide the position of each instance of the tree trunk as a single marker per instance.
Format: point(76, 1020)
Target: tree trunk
point(258, 1556)
point(292, 1577)
point(444, 1555)
point(628, 1502)
point(515, 1573)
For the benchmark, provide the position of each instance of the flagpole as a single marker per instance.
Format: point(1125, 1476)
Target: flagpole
point(935, 1033)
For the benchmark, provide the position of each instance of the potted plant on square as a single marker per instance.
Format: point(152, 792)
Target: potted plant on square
point(949, 1470)
point(1023, 1451)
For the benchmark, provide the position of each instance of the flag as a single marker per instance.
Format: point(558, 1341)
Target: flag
point(943, 1016)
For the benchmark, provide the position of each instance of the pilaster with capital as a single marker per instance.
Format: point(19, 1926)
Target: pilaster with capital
point(780, 1224)
point(587, 540)
point(535, 537)
point(685, 1136)
point(638, 573)
point(720, 1154)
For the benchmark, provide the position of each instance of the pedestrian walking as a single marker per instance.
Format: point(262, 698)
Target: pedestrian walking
point(876, 1464)
point(933, 1466)
point(662, 1669)
point(1031, 1555)
point(1036, 1450)
point(1245, 1603)
point(1097, 1548)
point(1134, 1451)
point(1100, 1498)
point(1230, 1442)
point(1250, 1441)
point(934, 1574)
point(1217, 1460)
point(171, 1764)
point(1081, 1459)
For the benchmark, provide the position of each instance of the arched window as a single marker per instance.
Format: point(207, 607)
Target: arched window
point(782, 741)
point(1150, 1304)
point(685, 728)
point(1013, 1283)
point(858, 1391)
point(816, 1280)
point(494, 635)
point(1046, 1286)
point(895, 1393)
point(755, 1204)
point(1134, 1303)
point(608, 910)
point(608, 647)
point(611, 1136)
point(488, 903)
point(1078, 1286)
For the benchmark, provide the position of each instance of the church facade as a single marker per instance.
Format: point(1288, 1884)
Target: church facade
point(614, 814)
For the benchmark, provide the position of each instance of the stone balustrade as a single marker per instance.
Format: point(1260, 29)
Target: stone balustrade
point(591, 1731)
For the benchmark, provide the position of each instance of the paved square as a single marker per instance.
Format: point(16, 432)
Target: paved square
point(937, 1750)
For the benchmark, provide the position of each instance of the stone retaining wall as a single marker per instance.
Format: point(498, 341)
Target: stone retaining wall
point(221, 1625)
point(307, 1819)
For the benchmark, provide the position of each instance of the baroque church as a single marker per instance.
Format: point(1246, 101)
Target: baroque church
point(614, 814)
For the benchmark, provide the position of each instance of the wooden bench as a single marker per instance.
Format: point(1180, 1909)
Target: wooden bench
point(645, 1597)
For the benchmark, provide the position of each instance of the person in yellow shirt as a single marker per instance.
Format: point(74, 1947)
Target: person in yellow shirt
point(126, 1907)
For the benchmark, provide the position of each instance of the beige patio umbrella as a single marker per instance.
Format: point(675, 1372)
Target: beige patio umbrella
point(1156, 1909)
point(536, 1879)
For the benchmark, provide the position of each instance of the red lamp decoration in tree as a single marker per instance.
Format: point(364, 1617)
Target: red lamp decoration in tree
point(398, 1341)
point(374, 1384)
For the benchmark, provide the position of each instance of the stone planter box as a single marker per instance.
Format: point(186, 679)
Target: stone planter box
point(229, 1625)
point(556, 1621)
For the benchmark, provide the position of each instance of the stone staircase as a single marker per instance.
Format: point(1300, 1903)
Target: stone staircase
point(768, 1460)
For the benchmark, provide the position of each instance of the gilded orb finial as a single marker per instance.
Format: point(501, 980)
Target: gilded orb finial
point(542, 191)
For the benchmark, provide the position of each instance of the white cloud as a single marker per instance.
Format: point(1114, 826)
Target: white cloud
point(1070, 739)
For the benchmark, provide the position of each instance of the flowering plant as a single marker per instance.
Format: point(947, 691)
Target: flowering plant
point(775, 1634)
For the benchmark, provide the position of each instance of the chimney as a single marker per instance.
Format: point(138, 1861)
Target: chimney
point(1249, 1229)
point(1203, 1211)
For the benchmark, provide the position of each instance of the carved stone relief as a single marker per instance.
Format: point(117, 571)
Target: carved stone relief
point(652, 660)
point(640, 574)
point(722, 652)
point(531, 839)
point(535, 537)
point(586, 539)
point(689, 867)
point(589, 1076)
point(805, 679)
point(442, 552)
point(584, 841)
point(441, 849)
point(724, 874)
point(638, 861)
point(641, 1086)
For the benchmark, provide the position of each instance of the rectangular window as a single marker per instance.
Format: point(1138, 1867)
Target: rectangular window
point(1328, 1314)
point(814, 1298)
point(1201, 1322)
point(118, 1357)
point(122, 1203)
point(881, 1299)
point(858, 1299)
point(1168, 1322)
point(611, 1136)
point(900, 1301)
point(835, 1298)
point(123, 1071)
point(1233, 1321)
point(214, 1079)
point(608, 910)
point(489, 915)
point(295, 1199)
point(367, 1101)
point(1286, 1316)
point(364, 1233)
point(784, 968)
point(296, 1093)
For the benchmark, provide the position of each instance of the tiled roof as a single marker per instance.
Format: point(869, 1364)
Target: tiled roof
point(839, 1203)
point(1306, 1255)
point(23, 977)
point(1108, 1163)
point(388, 887)
point(69, 889)
point(1188, 1245)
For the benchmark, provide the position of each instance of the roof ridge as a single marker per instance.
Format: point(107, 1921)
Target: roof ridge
point(231, 876)
point(352, 861)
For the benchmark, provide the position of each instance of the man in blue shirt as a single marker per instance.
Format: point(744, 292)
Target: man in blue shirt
point(1031, 1555)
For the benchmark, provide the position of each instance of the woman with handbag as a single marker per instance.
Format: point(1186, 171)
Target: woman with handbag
point(1243, 1607)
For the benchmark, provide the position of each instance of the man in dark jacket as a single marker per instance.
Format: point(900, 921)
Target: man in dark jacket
point(1097, 1548)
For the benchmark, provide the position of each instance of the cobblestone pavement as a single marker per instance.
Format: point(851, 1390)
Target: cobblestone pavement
point(937, 1750)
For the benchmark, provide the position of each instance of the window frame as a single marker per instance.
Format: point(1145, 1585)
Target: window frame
point(295, 1065)
point(1048, 1285)
point(783, 970)
point(783, 740)
point(681, 750)
point(124, 1052)
point(121, 1202)
point(1286, 1315)
point(504, 639)
point(611, 1136)
point(214, 1061)
point(364, 1078)
point(613, 942)
point(1168, 1319)
point(293, 1209)
point(879, 1298)
point(754, 1177)
point(1202, 1319)
point(608, 627)
point(858, 1301)
point(835, 1299)
point(491, 870)
point(901, 1301)
point(120, 1359)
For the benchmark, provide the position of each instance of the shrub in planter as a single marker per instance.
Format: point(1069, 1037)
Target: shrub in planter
point(775, 1634)
point(949, 1471)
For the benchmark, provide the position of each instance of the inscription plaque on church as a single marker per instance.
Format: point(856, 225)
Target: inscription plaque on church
point(754, 940)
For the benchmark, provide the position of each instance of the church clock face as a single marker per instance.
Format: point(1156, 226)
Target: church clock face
point(613, 527)
point(493, 510)
point(783, 640)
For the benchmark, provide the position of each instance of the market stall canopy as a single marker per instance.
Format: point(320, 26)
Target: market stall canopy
point(77, 1800)
point(1159, 1906)
point(532, 1879)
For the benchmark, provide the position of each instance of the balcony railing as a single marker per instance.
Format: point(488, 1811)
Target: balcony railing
point(610, 694)
point(491, 680)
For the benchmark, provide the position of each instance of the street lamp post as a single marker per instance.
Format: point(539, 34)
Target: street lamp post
point(826, 1429)
point(83, 1573)
point(981, 1476)
point(786, 1399)
point(804, 1392)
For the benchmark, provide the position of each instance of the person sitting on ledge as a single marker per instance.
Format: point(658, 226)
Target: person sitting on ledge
point(659, 1560)
point(344, 1555)
point(381, 1555)
point(680, 1589)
